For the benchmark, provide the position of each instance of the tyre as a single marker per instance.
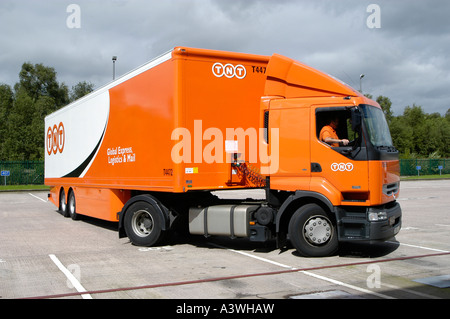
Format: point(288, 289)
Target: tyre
point(143, 224)
point(312, 232)
point(62, 203)
point(71, 206)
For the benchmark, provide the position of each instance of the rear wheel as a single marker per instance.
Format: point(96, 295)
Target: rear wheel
point(71, 206)
point(143, 224)
point(312, 232)
point(62, 203)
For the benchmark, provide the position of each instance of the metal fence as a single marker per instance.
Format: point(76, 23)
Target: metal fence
point(22, 173)
point(429, 166)
point(32, 172)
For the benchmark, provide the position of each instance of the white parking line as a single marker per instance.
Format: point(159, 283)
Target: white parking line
point(38, 197)
point(253, 256)
point(74, 281)
point(308, 273)
point(340, 283)
point(421, 247)
point(420, 294)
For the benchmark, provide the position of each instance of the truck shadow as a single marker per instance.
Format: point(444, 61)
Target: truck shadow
point(352, 250)
point(222, 242)
point(348, 250)
point(368, 250)
point(363, 249)
point(112, 226)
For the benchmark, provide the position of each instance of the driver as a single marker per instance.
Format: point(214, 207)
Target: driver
point(328, 133)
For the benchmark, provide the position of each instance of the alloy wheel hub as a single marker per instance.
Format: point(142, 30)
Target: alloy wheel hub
point(317, 230)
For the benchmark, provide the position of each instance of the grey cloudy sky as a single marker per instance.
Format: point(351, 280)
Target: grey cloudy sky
point(407, 58)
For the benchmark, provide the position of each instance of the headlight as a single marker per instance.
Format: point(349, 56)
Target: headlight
point(377, 216)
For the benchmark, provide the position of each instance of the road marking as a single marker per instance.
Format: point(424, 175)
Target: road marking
point(340, 283)
point(253, 256)
point(215, 279)
point(417, 198)
point(165, 248)
point(411, 291)
point(308, 273)
point(410, 228)
point(38, 197)
point(421, 247)
point(74, 281)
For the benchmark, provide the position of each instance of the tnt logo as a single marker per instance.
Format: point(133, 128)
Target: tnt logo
point(55, 139)
point(342, 167)
point(229, 70)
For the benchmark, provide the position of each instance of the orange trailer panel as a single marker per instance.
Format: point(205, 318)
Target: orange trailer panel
point(163, 127)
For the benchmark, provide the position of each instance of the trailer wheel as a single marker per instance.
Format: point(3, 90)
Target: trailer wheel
point(62, 203)
point(71, 206)
point(312, 232)
point(143, 224)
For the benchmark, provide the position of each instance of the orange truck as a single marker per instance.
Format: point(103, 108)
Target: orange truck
point(150, 149)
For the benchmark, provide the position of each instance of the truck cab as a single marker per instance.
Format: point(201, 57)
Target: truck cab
point(325, 193)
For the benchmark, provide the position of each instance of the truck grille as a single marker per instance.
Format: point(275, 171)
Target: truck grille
point(390, 189)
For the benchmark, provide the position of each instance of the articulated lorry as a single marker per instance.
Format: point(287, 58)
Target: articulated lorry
point(150, 149)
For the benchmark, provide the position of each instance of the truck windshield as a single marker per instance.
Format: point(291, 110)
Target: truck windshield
point(377, 127)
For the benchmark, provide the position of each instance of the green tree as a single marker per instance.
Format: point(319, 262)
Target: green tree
point(42, 107)
point(416, 133)
point(17, 144)
point(6, 102)
point(80, 90)
point(415, 118)
point(402, 134)
point(22, 110)
point(386, 104)
point(39, 80)
point(37, 94)
point(442, 127)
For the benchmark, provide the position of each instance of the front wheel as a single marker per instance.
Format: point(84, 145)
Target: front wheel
point(312, 232)
point(143, 224)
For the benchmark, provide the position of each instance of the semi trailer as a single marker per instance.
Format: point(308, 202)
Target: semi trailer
point(150, 149)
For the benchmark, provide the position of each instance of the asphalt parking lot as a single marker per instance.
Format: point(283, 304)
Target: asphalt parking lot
point(45, 255)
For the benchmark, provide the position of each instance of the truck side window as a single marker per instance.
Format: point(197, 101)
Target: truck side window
point(333, 123)
point(343, 130)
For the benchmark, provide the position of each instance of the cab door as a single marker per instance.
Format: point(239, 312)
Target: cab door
point(338, 172)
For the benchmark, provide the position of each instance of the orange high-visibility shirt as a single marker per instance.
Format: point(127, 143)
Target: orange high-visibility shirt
point(328, 131)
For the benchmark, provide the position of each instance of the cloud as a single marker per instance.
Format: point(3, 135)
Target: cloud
point(406, 59)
